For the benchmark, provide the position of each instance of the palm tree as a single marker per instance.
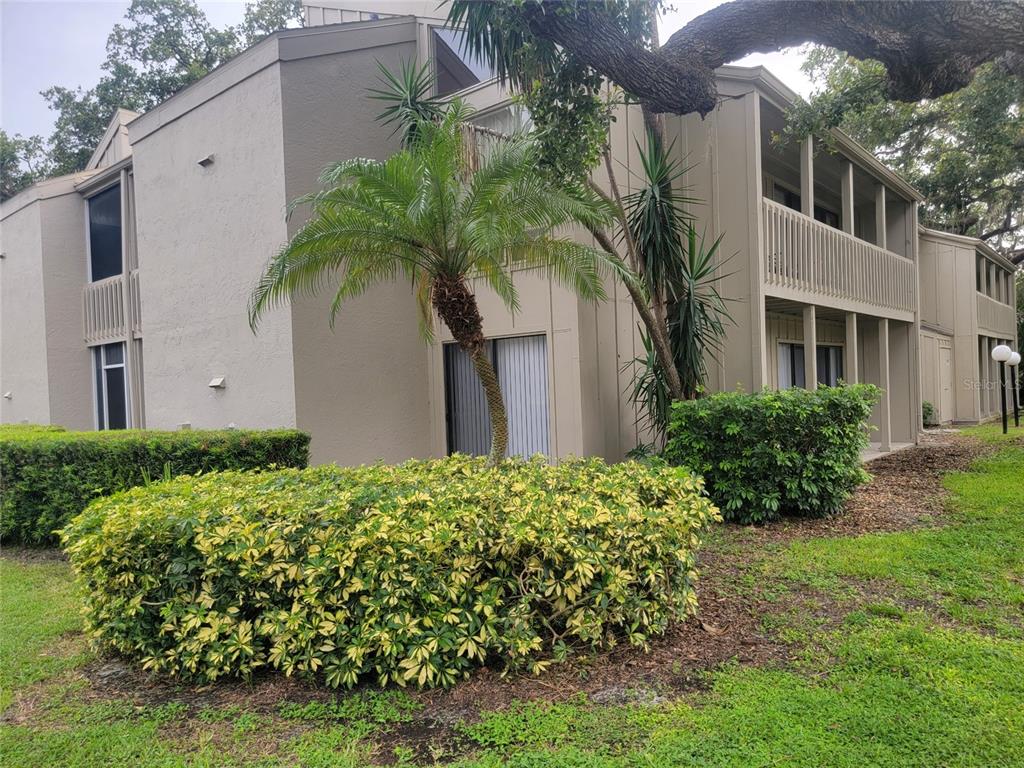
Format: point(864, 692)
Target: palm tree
point(425, 215)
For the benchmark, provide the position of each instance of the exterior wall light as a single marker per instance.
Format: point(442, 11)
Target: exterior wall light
point(205, 161)
point(1001, 354)
point(1014, 362)
point(217, 382)
point(8, 395)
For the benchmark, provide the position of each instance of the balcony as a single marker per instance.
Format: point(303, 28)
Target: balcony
point(111, 308)
point(995, 318)
point(811, 262)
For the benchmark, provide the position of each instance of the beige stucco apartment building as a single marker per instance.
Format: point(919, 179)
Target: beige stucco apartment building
point(123, 289)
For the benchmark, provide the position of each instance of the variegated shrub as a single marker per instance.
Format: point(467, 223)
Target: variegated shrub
point(412, 573)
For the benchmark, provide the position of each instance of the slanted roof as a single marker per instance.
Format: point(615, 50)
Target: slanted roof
point(114, 145)
point(43, 190)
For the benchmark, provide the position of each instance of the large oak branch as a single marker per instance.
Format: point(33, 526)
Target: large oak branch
point(929, 47)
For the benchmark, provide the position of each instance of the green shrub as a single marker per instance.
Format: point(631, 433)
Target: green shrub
point(794, 452)
point(412, 573)
point(48, 475)
point(928, 414)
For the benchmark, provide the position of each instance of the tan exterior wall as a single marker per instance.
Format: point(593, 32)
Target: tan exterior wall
point(43, 361)
point(204, 235)
point(23, 359)
point(363, 389)
point(64, 273)
point(952, 308)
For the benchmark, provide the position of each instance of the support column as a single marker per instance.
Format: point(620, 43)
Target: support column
point(884, 416)
point(807, 177)
point(847, 189)
point(850, 373)
point(880, 224)
point(810, 347)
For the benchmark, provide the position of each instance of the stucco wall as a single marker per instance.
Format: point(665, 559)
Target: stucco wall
point(362, 390)
point(65, 272)
point(204, 236)
point(23, 364)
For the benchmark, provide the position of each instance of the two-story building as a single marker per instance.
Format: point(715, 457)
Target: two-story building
point(153, 251)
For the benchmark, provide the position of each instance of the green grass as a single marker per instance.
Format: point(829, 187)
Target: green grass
point(38, 608)
point(922, 666)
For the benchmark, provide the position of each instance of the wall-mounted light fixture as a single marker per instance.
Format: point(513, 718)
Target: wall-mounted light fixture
point(217, 382)
point(8, 395)
point(205, 161)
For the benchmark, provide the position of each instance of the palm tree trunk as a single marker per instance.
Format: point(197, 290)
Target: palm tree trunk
point(456, 306)
point(495, 404)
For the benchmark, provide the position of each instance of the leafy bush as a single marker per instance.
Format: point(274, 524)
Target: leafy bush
point(48, 475)
point(794, 452)
point(412, 573)
point(928, 414)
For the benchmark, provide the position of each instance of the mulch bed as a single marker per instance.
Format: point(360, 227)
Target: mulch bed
point(906, 491)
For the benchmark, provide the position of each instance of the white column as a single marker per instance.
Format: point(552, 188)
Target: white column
point(850, 373)
point(847, 188)
point(807, 176)
point(880, 238)
point(884, 418)
point(810, 347)
point(131, 385)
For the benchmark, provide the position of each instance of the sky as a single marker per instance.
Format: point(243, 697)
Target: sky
point(49, 42)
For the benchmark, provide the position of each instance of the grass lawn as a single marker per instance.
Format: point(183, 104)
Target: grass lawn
point(901, 649)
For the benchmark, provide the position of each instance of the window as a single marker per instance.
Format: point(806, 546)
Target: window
point(521, 363)
point(455, 67)
point(791, 365)
point(105, 233)
point(111, 386)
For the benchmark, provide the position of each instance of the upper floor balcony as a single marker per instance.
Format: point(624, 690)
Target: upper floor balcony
point(112, 309)
point(838, 228)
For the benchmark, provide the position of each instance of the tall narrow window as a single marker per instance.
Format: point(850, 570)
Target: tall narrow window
point(105, 233)
point(521, 363)
point(111, 386)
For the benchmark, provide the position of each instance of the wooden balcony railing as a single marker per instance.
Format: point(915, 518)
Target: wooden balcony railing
point(996, 318)
point(106, 315)
point(807, 257)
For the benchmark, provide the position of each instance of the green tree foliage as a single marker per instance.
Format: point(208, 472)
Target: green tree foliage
point(22, 161)
point(160, 47)
point(572, 105)
point(964, 151)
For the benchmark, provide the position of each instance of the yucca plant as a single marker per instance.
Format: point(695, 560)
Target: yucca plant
point(422, 214)
point(679, 268)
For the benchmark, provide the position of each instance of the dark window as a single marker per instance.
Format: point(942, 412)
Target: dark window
point(105, 233)
point(787, 197)
point(111, 387)
point(825, 216)
point(791, 365)
point(454, 66)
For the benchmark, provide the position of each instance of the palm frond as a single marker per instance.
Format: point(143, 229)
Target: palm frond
point(409, 104)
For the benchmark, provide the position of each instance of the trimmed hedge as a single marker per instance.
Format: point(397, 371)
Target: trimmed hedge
point(414, 573)
point(48, 475)
point(791, 452)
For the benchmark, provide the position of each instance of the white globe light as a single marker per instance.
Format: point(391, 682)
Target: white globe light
point(1001, 353)
point(1014, 359)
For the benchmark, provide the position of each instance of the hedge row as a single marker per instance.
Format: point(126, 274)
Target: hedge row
point(412, 573)
point(791, 452)
point(48, 475)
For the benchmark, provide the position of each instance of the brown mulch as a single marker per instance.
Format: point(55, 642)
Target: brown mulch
point(906, 491)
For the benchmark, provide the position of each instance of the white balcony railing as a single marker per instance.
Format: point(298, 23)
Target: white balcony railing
point(808, 257)
point(106, 314)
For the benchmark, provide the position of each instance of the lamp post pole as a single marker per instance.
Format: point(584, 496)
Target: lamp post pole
point(1001, 354)
point(1014, 361)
